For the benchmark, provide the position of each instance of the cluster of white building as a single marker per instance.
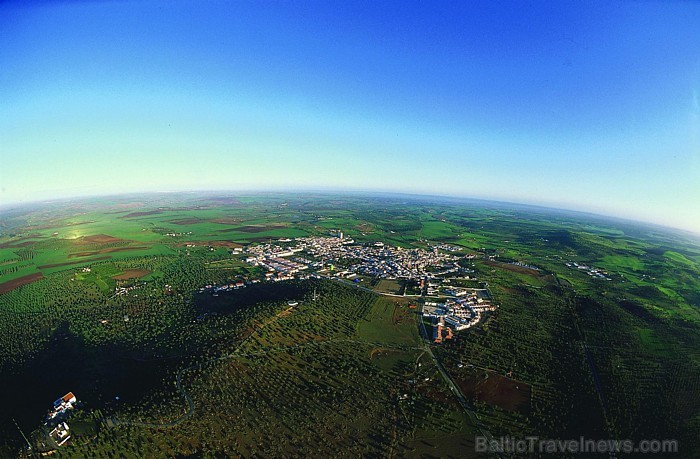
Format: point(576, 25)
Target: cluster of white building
point(189, 233)
point(376, 260)
point(593, 272)
point(397, 262)
point(282, 265)
point(448, 247)
point(288, 258)
point(462, 311)
point(119, 291)
point(58, 413)
point(222, 288)
point(60, 434)
point(63, 404)
point(270, 250)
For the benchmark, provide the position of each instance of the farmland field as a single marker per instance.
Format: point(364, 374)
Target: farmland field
point(597, 331)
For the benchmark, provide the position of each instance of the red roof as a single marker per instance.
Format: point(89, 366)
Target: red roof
point(68, 396)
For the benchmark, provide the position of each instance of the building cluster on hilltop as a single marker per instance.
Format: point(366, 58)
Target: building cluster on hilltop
point(309, 256)
point(374, 259)
point(460, 312)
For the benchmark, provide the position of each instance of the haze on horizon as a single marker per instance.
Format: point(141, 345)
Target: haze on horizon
point(587, 106)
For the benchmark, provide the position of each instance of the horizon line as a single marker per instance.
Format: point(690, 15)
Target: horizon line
point(340, 191)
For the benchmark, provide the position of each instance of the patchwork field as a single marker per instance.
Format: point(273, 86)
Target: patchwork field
point(102, 297)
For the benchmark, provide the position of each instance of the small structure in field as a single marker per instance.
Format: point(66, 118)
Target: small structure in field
point(60, 434)
point(61, 405)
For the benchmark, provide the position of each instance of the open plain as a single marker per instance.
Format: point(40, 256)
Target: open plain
point(210, 325)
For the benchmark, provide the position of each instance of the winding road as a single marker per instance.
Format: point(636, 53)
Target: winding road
point(455, 389)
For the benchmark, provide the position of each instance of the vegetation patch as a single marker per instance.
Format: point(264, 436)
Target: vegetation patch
point(389, 322)
point(71, 263)
point(390, 359)
point(652, 343)
point(226, 244)
point(254, 228)
point(392, 286)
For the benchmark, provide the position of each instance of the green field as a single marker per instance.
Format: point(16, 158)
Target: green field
point(390, 322)
point(567, 353)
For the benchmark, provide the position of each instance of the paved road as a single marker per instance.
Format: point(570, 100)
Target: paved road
point(453, 387)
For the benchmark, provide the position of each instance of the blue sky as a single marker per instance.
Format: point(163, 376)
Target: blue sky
point(582, 105)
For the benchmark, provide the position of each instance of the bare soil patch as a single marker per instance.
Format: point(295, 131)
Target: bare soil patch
point(494, 389)
point(142, 214)
point(108, 250)
point(226, 221)
point(98, 239)
point(24, 280)
point(513, 268)
point(132, 274)
point(187, 221)
point(258, 239)
point(16, 244)
point(22, 241)
point(227, 244)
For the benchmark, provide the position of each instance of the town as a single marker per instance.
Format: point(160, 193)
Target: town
point(451, 308)
point(346, 258)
